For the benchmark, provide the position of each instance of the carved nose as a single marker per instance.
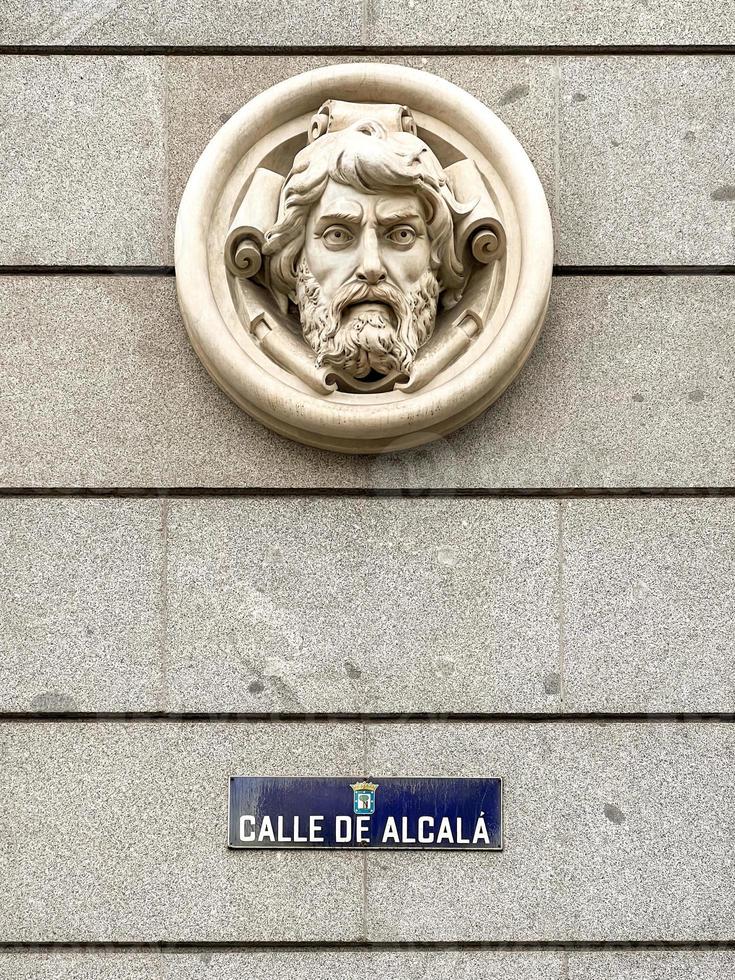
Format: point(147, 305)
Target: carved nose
point(371, 275)
point(371, 268)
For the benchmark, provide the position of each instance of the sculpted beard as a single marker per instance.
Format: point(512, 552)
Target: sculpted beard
point(383, 333)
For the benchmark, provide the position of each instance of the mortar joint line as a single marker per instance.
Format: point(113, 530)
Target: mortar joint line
point(163, 604)
point(365, 17)
point(561, 604)
point(568, 947)
point(404, 718)
point(363, 49)
point(557, 139)
point(408, 493)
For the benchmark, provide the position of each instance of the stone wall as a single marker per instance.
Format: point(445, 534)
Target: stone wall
point(545, 595)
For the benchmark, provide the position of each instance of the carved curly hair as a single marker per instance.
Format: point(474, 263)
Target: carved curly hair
point(368, 158)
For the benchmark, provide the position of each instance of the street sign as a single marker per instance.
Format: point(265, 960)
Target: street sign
point(353, 812)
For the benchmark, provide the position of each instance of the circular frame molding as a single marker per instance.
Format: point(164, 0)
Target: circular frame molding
point(218, 317)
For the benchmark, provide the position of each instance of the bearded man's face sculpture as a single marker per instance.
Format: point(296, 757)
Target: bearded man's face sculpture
point(364, 246)
point(366, 276)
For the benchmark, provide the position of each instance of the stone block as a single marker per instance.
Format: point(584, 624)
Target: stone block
point(80, 964)
point(400, 964)
point(101, 379)
point(379, 22)
point(634, 964)
point(116, 832)
point(327, 604)
point(332, 604)
point(563, 22)
point(648, 605)
point(189, 23)
point(83, 150)
point(79, 588)
point(632, 152)
point(406, 964)
point(103, 389)
point(613, 833)
point(281, 964)
point(648, 139)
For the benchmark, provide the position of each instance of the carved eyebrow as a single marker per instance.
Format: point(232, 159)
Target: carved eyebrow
point(342, 211)
point(398, 214)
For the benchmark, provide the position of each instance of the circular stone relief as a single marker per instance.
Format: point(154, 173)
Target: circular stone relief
point(363, 257)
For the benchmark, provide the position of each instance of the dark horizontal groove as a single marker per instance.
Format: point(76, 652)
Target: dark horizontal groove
point(367, 50)
point(87, 270)
point(513, 493)
point(367, 718)
point(663, 945)
point(562, 271)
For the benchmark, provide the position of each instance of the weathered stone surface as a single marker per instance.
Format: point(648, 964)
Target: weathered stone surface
point(527, 22)
point(83, 150)
point(116, 832)
point(648, 605)
point(643, 172)
point(616, 832)
point(80, 590)
point(632, 964)
point(81, 964)
point(613, 832)
point(101, 377)
point(103, 389)
point(520, 22)
point(191, 23)
point(646, 160)
point(522, 91)
point(408, 964)
point(329, 604)
point(282, 964)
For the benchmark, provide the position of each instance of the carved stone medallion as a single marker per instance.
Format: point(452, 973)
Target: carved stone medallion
point(363, 257)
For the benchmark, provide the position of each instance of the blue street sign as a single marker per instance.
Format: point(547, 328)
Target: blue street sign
point(316, 812)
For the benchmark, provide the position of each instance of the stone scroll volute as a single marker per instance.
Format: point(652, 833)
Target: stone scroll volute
point(363, 276)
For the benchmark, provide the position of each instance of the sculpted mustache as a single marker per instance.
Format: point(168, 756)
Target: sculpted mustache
point(359, 292)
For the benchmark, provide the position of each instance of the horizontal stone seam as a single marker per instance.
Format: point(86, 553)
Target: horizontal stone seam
point(567, 271)
point(661, 945)
point(154, 271)
point(510, 50)
point(560, 271)
point(419, 493)
point(372, 718)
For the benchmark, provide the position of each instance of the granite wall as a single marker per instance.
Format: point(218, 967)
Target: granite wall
point(546, 595)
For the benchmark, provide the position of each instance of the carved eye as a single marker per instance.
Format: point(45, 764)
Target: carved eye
point(337, 236)
point(403, 236)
